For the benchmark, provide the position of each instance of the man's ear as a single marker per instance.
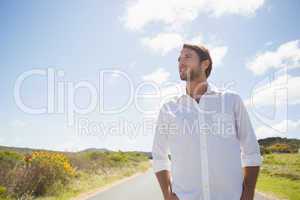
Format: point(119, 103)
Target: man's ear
point(204, 64)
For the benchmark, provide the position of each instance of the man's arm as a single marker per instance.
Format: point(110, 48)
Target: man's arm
point(164, 179)
point(250, 152)
point(160, 152)
point(250, 178)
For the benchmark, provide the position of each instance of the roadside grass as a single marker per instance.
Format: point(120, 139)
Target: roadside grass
point(46, 175)
point(280, 176)
point(89, 182)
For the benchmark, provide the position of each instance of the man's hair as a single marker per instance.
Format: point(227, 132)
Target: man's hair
point(203, 54)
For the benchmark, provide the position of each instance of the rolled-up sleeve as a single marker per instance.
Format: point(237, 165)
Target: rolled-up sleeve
point(160, 147)
point(250, 151)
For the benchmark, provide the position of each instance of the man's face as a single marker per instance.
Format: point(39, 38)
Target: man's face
point(189, 64)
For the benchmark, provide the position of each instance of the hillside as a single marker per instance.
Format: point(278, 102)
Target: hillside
point(279, 145)
point(273, 140)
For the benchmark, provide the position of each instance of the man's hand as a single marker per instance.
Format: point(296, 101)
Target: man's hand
point(248, 193)
point(250, 178)
point(172, 196)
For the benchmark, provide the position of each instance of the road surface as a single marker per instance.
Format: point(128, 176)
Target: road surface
point(143, 187)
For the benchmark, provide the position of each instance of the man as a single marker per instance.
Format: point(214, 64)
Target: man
point(208, 134)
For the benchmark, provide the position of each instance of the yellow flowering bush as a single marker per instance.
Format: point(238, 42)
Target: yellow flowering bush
point(57, 160)
point(41, 171)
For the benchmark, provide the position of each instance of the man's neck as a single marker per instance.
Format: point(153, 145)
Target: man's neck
point(196, 88)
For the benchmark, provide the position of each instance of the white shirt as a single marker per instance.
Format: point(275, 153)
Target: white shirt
point(209, 143)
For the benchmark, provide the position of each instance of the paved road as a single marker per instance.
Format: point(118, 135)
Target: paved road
point(143, 187)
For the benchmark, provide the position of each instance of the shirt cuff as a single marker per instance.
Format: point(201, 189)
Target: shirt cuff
point(251, 160)
point(159, 165)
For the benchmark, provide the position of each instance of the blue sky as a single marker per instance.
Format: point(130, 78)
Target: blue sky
point(255, 45)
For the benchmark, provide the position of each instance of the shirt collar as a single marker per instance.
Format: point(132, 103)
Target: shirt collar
point(211, 89)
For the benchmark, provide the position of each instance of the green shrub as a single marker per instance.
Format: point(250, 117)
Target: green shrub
point(3, 191)
point(40, 172)
point(281, 148)
point(8, 161)
point(264, 150)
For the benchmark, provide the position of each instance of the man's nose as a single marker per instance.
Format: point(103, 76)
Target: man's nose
point(182, 61)
point(181, 64)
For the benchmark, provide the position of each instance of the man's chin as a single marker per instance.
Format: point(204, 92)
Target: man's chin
point(183, 78)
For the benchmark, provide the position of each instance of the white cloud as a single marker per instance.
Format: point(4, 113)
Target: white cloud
point(163, 43)
point(140, 13)
point(269, 104)
point(218, 53)
point(244, 7)
point(158, 76)
point(286, 128)
point(282, 90)
point(287, 55)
